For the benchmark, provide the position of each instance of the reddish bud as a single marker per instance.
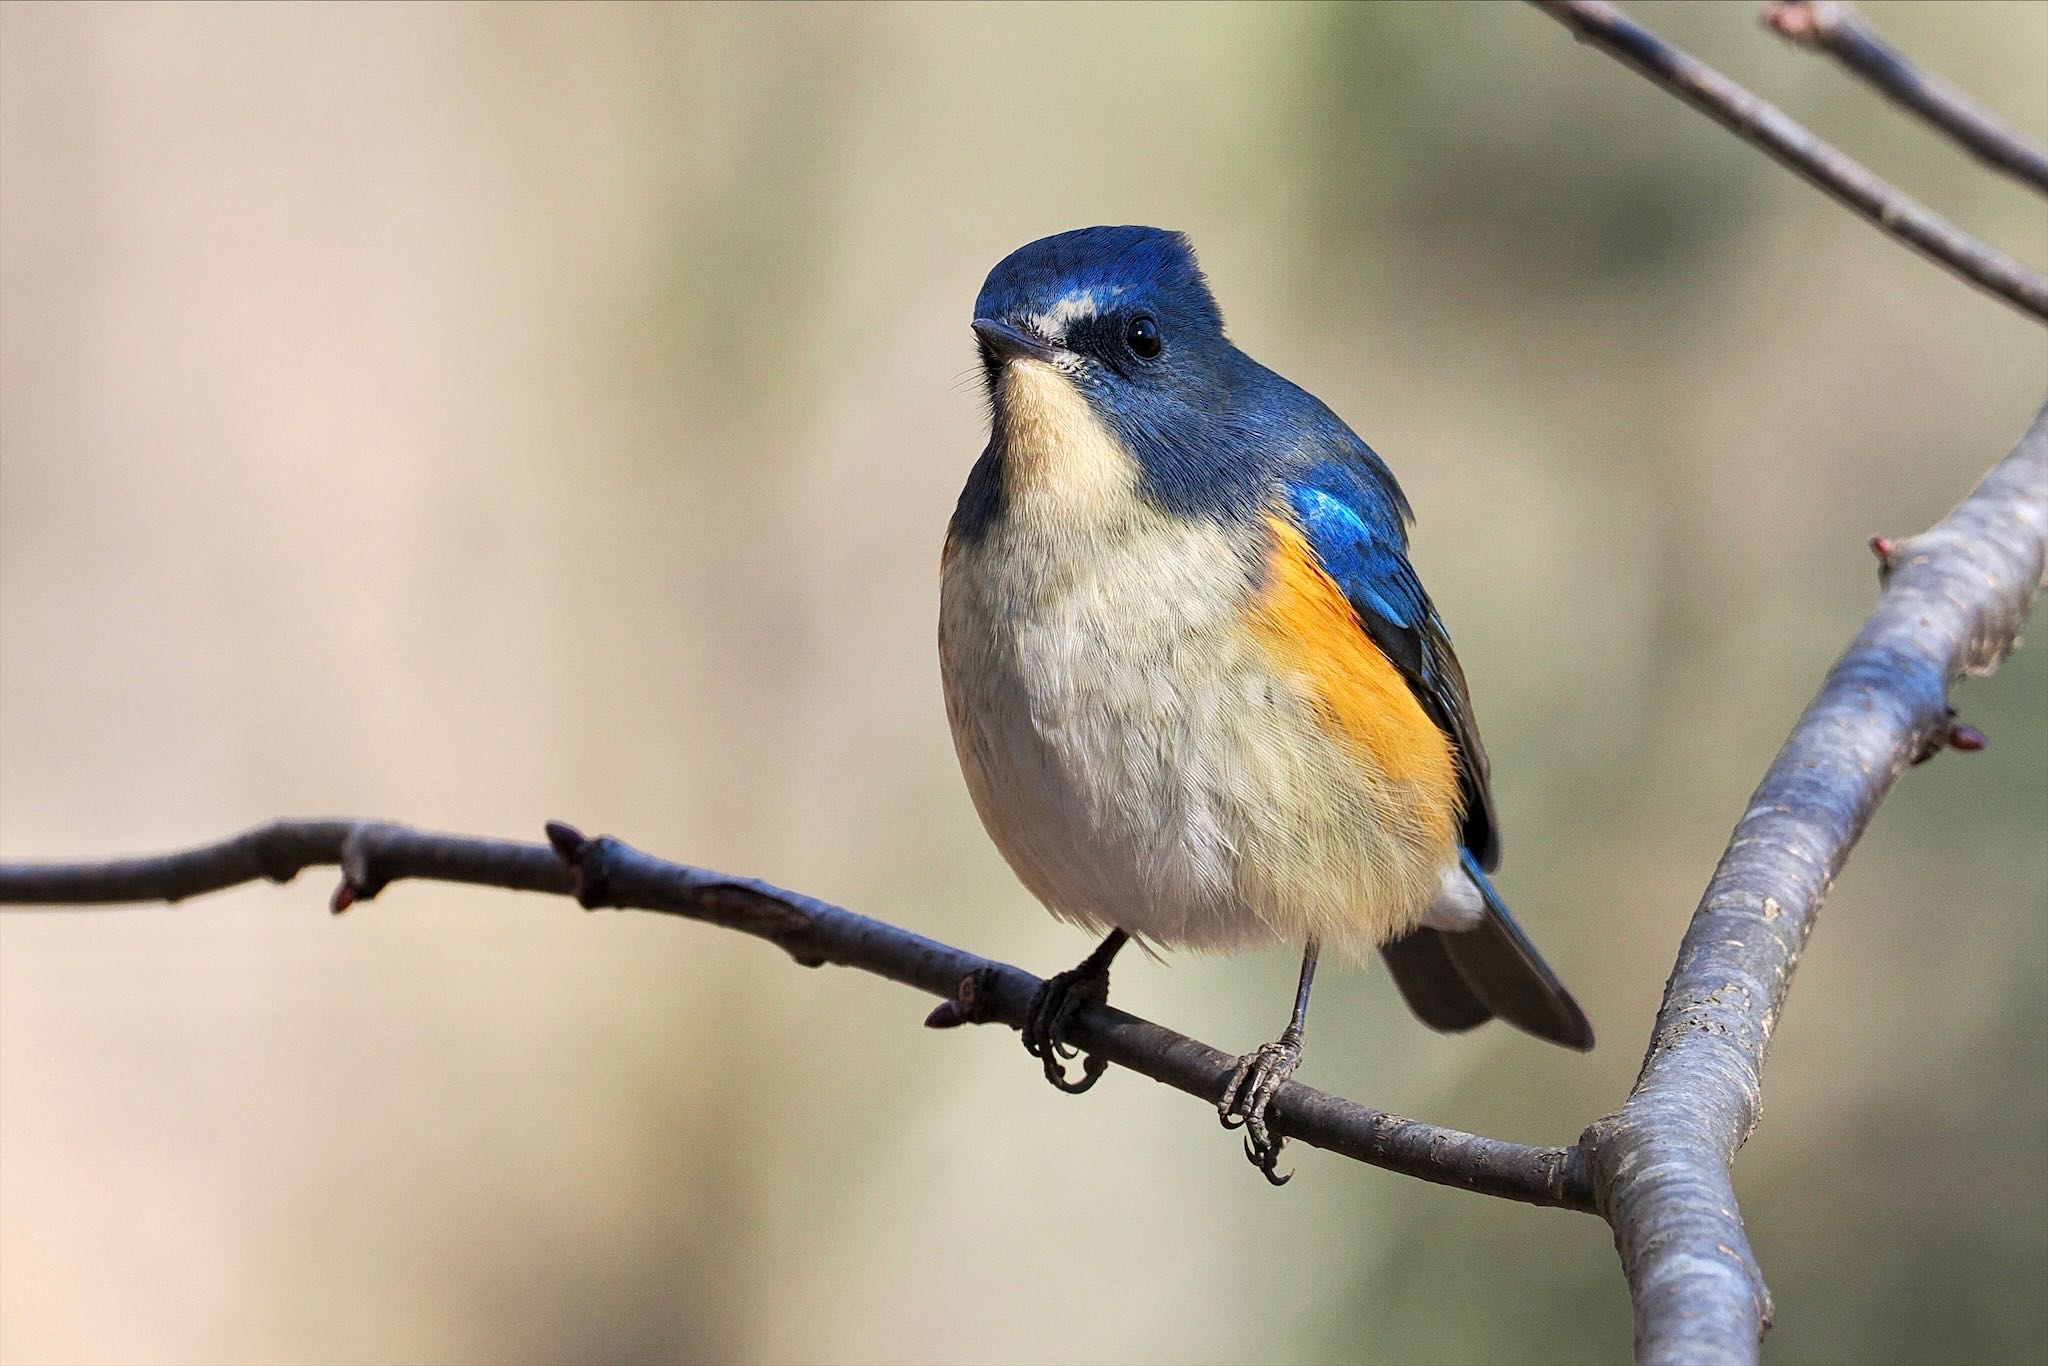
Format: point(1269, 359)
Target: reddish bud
point(1965, 737)
point(566, 839)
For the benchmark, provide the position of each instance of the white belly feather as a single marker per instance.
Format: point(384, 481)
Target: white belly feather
point(1091, 700)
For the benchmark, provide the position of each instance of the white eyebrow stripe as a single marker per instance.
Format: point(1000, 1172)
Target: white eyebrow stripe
point(1071, 308)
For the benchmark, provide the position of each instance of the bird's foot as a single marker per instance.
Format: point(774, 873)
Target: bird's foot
point(1250, 1091)
point(1059, 999)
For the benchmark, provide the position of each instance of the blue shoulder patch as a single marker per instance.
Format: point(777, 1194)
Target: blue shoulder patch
point(1365, 553)
point(1354, 518)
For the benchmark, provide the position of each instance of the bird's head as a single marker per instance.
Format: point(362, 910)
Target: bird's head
point(1104, 356)
point(1120, 311)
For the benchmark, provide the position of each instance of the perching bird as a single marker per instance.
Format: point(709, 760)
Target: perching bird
point(1198, 693)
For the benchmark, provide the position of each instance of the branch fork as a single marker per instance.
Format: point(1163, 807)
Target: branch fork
point(1794, 146)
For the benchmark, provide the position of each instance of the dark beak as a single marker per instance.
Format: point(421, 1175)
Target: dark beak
point(1000, 341)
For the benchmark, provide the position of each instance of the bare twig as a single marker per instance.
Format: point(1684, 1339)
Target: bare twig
point(1770, 128)
point(608, 873)
point(1953, 602)
point(369, 853)
point(1835, 27)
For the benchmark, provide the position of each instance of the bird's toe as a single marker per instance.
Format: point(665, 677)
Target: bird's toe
point(1063, 996)
point(1250, 1092)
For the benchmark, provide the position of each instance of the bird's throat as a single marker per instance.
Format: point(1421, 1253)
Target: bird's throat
point(1058, 457)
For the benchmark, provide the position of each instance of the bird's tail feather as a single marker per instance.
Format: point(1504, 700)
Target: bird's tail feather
point(1455, 979)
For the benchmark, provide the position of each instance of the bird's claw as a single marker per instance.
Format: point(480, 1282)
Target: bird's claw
point(1250, 1091)
point(1059, 999)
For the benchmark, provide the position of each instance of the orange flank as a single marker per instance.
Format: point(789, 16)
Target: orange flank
point(1309, 629)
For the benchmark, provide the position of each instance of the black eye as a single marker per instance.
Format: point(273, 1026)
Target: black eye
point(1142, 336)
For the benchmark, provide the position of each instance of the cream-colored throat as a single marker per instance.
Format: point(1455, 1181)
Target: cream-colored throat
point(1058, 455)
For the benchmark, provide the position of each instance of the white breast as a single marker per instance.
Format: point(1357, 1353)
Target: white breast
point(1085, 675)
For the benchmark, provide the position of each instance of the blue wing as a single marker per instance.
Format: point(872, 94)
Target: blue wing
point(1354, 517)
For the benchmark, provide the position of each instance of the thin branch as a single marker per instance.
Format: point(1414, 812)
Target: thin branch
point(370, 853)
point(1770, 128)
point(607, 873)
point(1834, 27)
point(1953, 602)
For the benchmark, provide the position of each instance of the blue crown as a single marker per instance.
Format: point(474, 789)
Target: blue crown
point(1127, 263)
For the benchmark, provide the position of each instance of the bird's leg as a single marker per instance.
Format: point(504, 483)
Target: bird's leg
point(1259, 1075)
point(1059, 999)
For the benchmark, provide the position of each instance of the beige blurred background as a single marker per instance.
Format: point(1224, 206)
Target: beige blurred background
point(475, 415)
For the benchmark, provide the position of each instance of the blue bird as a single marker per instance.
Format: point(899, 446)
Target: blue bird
point(1198, 693)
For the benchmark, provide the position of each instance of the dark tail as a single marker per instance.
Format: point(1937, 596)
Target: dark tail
point(1455, 980)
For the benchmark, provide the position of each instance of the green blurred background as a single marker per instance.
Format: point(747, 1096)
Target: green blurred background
point(478, 415)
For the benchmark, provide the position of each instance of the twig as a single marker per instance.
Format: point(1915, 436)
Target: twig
point(1835, 27)
point(369, 853)
point(1953, 602)
point(1770, 128)
point(608, 873)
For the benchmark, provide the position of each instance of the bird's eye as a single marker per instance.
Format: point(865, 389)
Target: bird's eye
point(1142, 336)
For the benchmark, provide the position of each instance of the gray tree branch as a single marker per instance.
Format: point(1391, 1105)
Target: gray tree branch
point(1954, 601)
point(1834, 27)
point(608, 873)
point(1766, 126)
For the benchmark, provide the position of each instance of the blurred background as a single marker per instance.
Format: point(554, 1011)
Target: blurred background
point(476, 415)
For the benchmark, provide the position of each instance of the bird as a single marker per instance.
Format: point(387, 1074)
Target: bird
point(1198, 693)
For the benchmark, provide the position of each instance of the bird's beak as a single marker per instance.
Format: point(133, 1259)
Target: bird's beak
point(1003, 342)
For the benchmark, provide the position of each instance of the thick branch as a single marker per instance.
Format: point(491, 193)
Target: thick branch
point(1953, 602)
point(608, 873)
point(1770, 128)
point(1834, 27)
